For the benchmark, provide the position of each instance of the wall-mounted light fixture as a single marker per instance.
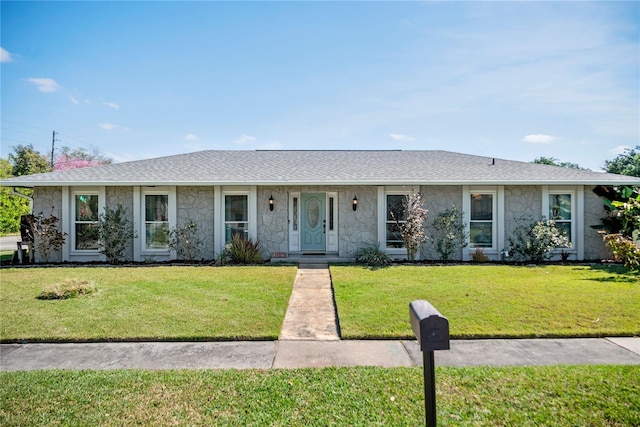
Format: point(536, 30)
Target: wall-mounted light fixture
point(354, 203)
point(271, 201)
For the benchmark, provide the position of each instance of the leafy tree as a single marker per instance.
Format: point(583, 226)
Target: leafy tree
point(79, 158)
point(448, 232)
point(555, 162)
point(615, 197)
point(12, 207)
point(27, 161)
point(627, 163)
point(412, 227)
point(47, 238)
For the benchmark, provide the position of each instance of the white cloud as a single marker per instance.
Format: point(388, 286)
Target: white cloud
point(244, 139)
point(401, 137)
point(191, 137)
point(5, 56)
point(539, 139)
point(620, 149)
point(112, 105)
point(113, 127)
point(45, 84)
point(74, 100)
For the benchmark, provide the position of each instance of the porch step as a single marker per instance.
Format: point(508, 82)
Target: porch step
point(311, 314)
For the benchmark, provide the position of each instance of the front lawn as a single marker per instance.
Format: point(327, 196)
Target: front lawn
point(146, 303)
point(534, 396)
point(490, 300)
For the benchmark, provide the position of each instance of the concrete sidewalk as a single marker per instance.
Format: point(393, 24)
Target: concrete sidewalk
point(302, 354)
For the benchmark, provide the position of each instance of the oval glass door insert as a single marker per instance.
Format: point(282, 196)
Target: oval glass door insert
point(313, 213)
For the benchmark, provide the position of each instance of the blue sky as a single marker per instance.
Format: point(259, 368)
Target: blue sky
point(515, 80)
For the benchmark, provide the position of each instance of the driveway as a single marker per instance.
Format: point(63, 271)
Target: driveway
point(8, 243)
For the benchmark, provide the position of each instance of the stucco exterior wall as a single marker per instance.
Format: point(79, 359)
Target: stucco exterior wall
point(594, 248)
point(360, 228)
point(273, 225)
point(48, 201)
point(196, 204)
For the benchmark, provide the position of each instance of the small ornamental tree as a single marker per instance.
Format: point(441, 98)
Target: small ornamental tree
point(448, 233)
point(411, 223)
point(115, 233)
point(47, 239)
point(186, 240)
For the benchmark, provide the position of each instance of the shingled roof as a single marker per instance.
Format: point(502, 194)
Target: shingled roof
point(346, 167)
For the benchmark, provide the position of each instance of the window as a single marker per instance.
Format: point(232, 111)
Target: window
point(481, 220)
point(236, 216)
point(394, 209)
point(560, 212)
point(156, 221)
point(86, 222)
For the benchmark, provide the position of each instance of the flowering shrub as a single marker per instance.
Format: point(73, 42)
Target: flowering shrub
point(47, 239)
point(536, 242)
point(412, 229)
point(624, 250)
point(186, 241)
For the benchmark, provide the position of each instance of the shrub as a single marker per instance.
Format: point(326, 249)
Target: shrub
point(372, 256)
point(479, 256)
point(241, 251)
point(448, 233)
point(70, 288)
point(186, 241)
point(536, 242)
point(46, 236)
point(115, 233)
point(624, 250)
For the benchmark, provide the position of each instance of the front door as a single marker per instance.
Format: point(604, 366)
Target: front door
point(314, 225)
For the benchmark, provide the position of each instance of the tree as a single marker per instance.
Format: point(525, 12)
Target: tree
point(449, 233)
point(552, 161)
point(79, 158)
point(27, 161)
point(411, 223)
point(627, 163)
point(12, 207)
point(115, 233)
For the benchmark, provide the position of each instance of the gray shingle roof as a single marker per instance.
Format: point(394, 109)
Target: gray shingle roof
point(321, 167)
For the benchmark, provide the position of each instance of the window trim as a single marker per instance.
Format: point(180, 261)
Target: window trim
point(140, 216)
point(224, 214)
point(218, 212)
point(492, 221)
point(498, 244)
point(383, 192)
point(576, 200)
point(78, 191)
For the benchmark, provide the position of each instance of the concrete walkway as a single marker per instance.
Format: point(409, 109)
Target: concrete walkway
point(310, 338)
point(311, 314)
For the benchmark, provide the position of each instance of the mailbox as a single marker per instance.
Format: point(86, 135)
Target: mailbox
point(429, 326)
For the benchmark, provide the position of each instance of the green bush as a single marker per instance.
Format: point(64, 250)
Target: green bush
point(624, 250)
point(372, 256)
point(70, 288)
point(448, 233)
point(115, 233)
point(535, 242)
point(186, 240)
point(241, 251)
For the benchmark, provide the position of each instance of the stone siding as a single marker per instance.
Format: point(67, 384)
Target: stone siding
point(594, 248)
point(437, 200)
point(273, 225)
point(360, 228)
point(196, 204)
point(48, 201)
point(122, 196)
point(522, 205)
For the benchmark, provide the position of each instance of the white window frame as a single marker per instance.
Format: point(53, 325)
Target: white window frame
point(497, 231)
point(577, 207)
point(140, 216)
point(383, 192)
point(219, 212)
point(78, 191)
point(232, 222)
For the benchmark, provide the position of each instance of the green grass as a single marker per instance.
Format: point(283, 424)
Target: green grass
point(146, 303)
point(534, 396)
point(490, 301)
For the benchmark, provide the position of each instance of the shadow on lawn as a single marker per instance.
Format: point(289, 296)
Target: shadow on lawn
point(617, 274)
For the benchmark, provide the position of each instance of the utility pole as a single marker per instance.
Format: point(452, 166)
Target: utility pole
point(53, 147)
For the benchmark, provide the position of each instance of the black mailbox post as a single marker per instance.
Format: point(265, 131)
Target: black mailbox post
point(432, 331)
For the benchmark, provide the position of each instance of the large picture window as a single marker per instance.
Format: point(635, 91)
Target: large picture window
point(394, 208)
point(560, 212)
point(86, 222)
point(481, 220)
point(236, 216)
point(156, 221)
